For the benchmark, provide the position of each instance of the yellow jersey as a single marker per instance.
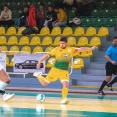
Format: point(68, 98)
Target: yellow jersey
point(62, 57)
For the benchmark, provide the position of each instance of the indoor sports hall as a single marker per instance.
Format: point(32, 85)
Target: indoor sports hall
point(97, 27)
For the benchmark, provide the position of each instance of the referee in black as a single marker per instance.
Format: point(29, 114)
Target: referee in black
point(111, 66)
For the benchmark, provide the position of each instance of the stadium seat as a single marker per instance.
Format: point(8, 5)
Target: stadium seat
point(56, 41)
point(87, 22)
point(100, 4)
point(71, 41)
point(103, 31)
point(4, 48)
point(17, 5)
point(37, 49)
point(26, 49)
point(85, 54)
point(48, 49)
point(24, 40)
point(105, 13)
point(46, 41)
point(71, 13)
point(11, 64)
point(2, 40)
point(67, 31)
point(35, 41)
point(110, 22)
point(7, 61)
point(12, 41)
point(83, 41)
point(95, 13)
point(76, 54)
point(50, 63)
point(2, 30)
point(12, 50)
point(91, 31)
point(44, 31)
point(16, 13)
point(79, 31)
point(20, 31)
point(112, 4)
point(55, 31)
point(78, 63)
point(11, 31)
point(95, 41)
point(98, 22)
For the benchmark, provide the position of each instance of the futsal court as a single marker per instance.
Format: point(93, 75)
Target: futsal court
point(24, 104)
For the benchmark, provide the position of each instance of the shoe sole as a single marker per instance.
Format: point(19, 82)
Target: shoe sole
point(10, 97)
point(66, 102)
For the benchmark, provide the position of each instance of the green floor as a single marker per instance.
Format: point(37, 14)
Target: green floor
point(31, 112)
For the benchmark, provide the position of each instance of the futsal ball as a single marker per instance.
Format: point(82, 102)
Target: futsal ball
point(40, 98)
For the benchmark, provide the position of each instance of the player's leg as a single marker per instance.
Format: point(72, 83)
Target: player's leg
point(109, 71)
point(4, 81)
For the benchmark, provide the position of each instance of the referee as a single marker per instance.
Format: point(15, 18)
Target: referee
point(111, 66)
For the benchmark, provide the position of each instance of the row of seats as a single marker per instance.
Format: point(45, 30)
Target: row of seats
point(67, 31)
point(82, 41)
point(78, 63)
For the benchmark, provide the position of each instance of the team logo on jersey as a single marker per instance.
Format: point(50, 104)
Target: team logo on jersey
point(66, 55)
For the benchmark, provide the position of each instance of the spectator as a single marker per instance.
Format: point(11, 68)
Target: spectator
point(51, 16)
point(22, 20)
point(61, 17)
point(6, 17)
point(40, 16)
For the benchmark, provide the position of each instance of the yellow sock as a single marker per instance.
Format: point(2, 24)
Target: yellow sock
point(64, 92)
point(40, 78)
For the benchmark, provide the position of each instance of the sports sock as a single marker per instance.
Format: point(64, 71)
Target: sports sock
point(3, 85)
point(113, 81)
point(64, 92)
point(40, 78)
point(104, 83)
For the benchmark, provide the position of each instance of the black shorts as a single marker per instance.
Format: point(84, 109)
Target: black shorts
point(110, 69)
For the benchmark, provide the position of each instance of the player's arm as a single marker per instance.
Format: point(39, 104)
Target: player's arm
point(82, 49)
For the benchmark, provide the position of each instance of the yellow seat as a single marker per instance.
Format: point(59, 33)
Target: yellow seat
point(24, 40)
point(37, 49)
point(4, 48)
point(86, 54)
point(55, 31)
point(71, 41)
point(48, 49)
point(46, 41)
point(56, 41)
point(35, 41)
point(44, 31)
point(78, 63)
point(11, 31)
point(50, 62)
point(12, 50)
point(103, 31)
point(78, 31)
point(20, 31)
point(76, 54)
point(83, 41)
point(2, 30)
point(91, 31)
point(7, 61)
point(11, 64)
point(2, 40)
point(26, 49)
point(67, 31)
point(95, 41)
point(12, 41)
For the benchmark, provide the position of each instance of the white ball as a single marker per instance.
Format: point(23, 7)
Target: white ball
point(40, 98)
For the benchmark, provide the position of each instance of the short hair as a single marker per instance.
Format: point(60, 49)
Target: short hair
point(6, 6)
point(42, 4)
point(63, 39)
point(50, 6)
point(56, 7)
point(114, 38)
point(26, 6)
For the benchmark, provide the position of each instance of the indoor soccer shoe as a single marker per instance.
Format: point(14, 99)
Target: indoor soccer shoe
point(7, 96)
point(37, 73)
point(65, 101)
point(101, 92)
point(110, 87)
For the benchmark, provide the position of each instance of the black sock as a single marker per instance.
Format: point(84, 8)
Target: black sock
point(3, 92)
point(104, 83)
point(113, 81)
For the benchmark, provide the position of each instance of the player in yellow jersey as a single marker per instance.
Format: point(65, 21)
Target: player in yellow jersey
point(62, 54)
